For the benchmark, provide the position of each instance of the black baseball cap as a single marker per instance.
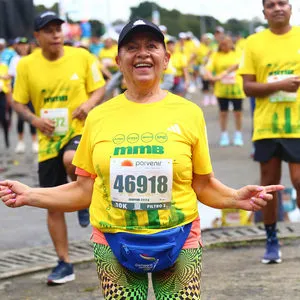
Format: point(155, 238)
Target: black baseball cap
point(140, 25)
point(44, 18)
point(21, 40)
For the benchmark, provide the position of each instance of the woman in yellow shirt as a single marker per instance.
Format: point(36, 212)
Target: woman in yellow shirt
point(142, 164)
point(228, 88)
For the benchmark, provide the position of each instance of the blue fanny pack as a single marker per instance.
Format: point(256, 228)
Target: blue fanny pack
point(144, 253)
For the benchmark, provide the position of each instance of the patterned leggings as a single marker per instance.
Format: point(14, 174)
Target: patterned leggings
point(181, 281)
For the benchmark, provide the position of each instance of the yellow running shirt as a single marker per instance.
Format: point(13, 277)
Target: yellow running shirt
point(230, 86)
point(179, 62)
point(107, 57)
point(143, 157)
point(4, 83)
point(271, 57)
point(57, 88)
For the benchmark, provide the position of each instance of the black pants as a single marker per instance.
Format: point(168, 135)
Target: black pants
point(20, 123)
point(4, 117)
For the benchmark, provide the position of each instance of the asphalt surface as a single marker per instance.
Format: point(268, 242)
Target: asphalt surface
point(231, 258)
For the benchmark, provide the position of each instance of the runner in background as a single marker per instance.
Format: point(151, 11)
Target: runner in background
point(201, 58)
point(5, 99)
point(63, 83)
point(142, 176)
point(228, 88)
point(180, 63)
point(271, 73)
point(22, 48)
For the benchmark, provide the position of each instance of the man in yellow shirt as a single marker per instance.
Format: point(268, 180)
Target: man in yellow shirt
point(270, 70)
point(64, 84)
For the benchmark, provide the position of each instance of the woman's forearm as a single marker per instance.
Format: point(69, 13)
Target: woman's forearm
point(211, 192)
point(69, 197)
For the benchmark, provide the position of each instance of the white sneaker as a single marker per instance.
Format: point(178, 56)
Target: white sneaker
point(35, 147)
point(224, 139)
point(20, 148)
point(238, 139)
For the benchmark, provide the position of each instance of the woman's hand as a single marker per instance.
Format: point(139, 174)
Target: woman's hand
point(13, 193)
point(254, 198)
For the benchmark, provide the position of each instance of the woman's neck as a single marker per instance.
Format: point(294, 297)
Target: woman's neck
point(145, 96)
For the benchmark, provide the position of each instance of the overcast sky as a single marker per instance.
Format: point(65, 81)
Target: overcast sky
point(110, 10)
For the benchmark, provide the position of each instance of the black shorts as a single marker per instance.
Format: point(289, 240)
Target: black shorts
point(224, 104)
point(52, 171)
point(286, 149)
point(205, 85)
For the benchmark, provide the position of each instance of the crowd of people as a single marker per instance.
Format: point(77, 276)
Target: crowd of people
point(137, 164)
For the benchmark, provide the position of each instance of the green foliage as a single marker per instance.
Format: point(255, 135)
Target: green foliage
point(174, 20)
point(177, 22)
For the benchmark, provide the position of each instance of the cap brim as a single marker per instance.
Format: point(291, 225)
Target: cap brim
point(46, 22)
point(141, 28)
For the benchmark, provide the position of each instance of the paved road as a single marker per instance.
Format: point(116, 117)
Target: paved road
point(228, 273)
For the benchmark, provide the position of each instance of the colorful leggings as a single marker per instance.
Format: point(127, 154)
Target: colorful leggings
point(181, 281)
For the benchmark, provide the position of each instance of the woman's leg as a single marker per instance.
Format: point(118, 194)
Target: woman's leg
point(183, 279)
point(117, 282)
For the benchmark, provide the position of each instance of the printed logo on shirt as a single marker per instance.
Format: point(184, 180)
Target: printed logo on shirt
point(136, 150)
point(175, 128)
point(74, 77)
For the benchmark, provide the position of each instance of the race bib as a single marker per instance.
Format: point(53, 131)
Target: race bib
point(61, 118)
point(140, 183)
point(281, 96)
point(229, 78)
point(233, 218)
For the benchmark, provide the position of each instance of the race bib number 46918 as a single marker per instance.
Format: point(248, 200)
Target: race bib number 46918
point(140, 183)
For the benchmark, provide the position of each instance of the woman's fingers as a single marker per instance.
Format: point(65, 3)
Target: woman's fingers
point(273, 188)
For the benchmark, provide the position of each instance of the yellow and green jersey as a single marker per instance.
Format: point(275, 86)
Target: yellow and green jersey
point(231, 85)
point(56, 89)
point(107, 57)
point(143, 157)
point(202, 53)
point(271, 57)
point(4, 83)
point(179, 62)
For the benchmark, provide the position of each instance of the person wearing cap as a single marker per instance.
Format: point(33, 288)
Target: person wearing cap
point(271, 73)
point(142, 163)
point(64, 84)
point(7, 51)
point(22, 48)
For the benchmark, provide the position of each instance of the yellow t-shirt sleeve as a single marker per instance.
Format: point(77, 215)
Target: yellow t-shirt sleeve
point(83, 157)
point(95, 79)
point(21, 86)
point(200, 152)
point(246, 62)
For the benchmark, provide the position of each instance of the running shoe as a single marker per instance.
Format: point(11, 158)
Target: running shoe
point(61, 274)
point(224, 140)
point(272, 254)
point(84, 217)
point(20, 148)
point(238, 139)
point(35, 147)
point(206, 101)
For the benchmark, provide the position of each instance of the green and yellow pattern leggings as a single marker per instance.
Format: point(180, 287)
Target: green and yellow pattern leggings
point(181, 281)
